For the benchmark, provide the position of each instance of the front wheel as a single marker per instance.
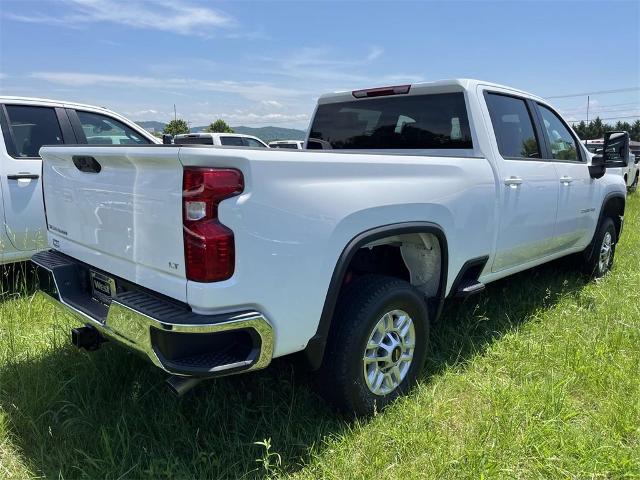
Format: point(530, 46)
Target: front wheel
point(377, 345)
point(601, 258)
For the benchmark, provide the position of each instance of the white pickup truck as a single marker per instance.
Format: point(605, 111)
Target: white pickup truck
point(213, 261)
point(26, 125)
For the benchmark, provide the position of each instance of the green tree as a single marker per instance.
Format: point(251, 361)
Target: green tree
point(176, 127)
point(219, 126)
point(635, 131)
point(581, 129)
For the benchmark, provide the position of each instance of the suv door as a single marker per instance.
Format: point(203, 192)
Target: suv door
point(528, 186)
point(579, 193)
point(25, 129)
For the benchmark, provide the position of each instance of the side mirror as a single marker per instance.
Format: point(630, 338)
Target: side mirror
point(167, 139)
point(597, 168)
point(615, 151)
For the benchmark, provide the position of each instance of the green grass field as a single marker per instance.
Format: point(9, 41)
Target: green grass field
point(538, 377)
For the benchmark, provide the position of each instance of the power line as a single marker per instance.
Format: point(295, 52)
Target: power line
point(610, 118)
point(601, 92)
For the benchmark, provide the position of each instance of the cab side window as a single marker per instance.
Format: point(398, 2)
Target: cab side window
point(32, 128)
point(513, 127)
point(563, 144)
point(254, 143)
point(103, 130)
point(232, 141)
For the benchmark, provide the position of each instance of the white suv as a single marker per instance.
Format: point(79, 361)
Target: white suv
point(27, 124)
point(220, 140)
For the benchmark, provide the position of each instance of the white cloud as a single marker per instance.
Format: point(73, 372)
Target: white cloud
point(251, 90)
point(250, 117)
point(175, 16)
point(327, 71)
point(271, 103)
point(374, 53)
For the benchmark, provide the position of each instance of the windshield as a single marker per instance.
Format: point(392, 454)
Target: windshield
point(437, 121)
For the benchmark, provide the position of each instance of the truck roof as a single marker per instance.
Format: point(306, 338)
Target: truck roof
point(427, 87)
point(49, 101)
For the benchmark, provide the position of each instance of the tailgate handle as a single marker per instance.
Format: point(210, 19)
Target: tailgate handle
point(86, 164)
point(23, 176)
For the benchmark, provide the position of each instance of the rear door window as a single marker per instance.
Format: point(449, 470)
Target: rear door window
point(103, 130)
point(232, 141)
point(512, 126)
point(437, 121)
point(32, 128)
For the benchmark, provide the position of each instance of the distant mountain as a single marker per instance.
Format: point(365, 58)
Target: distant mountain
point(152, 126)
point(266, 134)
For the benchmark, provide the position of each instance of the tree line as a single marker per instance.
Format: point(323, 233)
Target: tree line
point(586, 131)
point(180, 126)
point(596, 129)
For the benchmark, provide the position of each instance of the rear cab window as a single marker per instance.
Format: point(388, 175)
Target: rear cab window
point(427, 121)
point(31, 127)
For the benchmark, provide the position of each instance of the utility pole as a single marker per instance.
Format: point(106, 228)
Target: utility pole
point(587, 109)
point(175, 115)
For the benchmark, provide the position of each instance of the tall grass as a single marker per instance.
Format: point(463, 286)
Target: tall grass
point(538, 377)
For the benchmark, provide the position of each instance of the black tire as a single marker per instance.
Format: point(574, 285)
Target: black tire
point(593, 266)
point(341, 379)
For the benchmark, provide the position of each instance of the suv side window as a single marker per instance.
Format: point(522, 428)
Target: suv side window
point(32, 128)
point(103, 130)
point(512, 126)
point(254, 143)
point(232, 141)
point(563, 144)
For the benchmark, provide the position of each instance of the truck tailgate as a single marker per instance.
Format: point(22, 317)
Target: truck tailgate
point(118, 209)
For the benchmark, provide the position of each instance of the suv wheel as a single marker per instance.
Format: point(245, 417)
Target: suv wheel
point(377, 345)
point(601, 259)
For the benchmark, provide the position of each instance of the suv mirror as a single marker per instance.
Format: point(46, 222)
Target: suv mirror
point(615, 151)
point(167, 139)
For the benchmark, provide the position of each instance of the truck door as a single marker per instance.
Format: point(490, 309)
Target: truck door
point(528, 185)
point(579, 193)
point(25, 129)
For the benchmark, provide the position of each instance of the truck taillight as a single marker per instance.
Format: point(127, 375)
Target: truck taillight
point(209, 248)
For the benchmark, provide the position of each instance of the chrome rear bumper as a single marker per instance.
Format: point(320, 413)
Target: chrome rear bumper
point(167, 332)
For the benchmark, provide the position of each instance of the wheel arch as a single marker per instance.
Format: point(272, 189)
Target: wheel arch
point(612, 206)
point(314, 351)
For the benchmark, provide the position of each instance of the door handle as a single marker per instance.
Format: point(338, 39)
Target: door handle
point(23, 176)
point(566, 180)
point(513, 182)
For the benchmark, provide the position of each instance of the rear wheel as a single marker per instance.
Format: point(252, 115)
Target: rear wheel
point(604, 249)
point(377, 346)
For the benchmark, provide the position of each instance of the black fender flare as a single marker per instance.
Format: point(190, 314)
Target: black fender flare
point(608, 197)
point(314, 351)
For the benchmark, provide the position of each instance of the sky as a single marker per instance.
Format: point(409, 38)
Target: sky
point(265, 62)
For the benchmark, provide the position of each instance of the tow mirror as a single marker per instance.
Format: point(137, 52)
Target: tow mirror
point(597, 168)
point(615, 151)
point(167, 139)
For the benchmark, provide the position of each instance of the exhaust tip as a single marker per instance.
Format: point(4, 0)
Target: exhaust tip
point(179, 386)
